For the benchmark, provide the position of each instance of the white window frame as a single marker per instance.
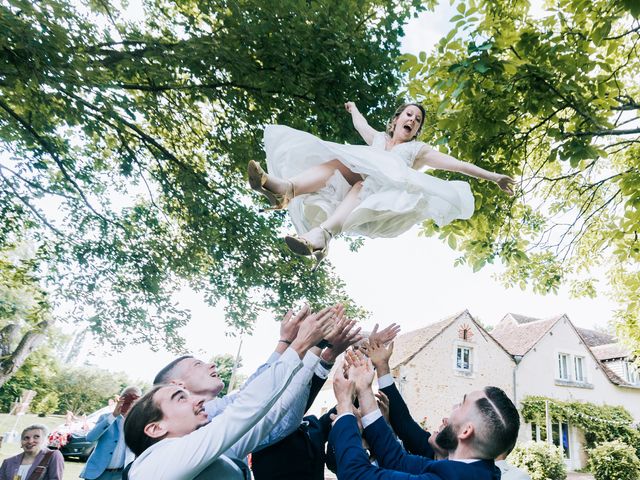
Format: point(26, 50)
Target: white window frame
point(460, 350)
point(567, 368)
point(578, 359)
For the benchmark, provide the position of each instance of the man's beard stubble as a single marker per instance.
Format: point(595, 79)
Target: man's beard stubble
point(447, 439)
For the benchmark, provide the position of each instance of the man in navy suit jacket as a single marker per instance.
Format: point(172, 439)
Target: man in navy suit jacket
point(484, 425)
point(414, 438)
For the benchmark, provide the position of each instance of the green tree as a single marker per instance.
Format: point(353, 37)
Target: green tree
point(83, 390)
point(36, 373)
point(124, 145)
point(553, 100)
point(24, 313)
point(224, 366)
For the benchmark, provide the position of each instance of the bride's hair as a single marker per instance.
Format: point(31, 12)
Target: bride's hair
point(398, 112)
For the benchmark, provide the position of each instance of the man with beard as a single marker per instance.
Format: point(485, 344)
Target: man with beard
point(484, 425)
point(414, 438)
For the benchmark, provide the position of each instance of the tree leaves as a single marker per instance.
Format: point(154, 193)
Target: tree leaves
point(549, 100)
point(128, 145)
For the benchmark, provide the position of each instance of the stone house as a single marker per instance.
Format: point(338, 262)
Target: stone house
point(436, 365)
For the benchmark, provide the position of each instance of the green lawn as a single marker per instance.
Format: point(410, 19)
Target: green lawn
point(72, 468)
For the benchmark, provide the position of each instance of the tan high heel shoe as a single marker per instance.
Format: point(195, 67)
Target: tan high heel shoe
point(302, 246)
point(258, 179)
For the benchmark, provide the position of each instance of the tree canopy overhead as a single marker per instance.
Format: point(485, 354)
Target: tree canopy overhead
point(554, 100)
point(123, 145)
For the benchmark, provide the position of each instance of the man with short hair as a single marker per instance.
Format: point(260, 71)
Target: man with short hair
point(111, 454)
point(201, 378)
point(173, 438)
point(479, 429)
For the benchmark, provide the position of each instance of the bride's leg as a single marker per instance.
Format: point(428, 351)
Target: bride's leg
point(312, 179)
point(316, 236)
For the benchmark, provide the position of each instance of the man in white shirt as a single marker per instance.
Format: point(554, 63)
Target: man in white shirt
point(201, 378)
point(169, 429)
point(111, 454)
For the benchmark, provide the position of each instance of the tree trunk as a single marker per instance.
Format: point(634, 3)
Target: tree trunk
point(12, 360)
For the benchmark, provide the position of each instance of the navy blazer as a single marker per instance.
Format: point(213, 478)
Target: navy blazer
point(395, 463)
point(414, 438)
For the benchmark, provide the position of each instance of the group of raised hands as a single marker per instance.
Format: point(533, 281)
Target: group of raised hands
point(358, 370)
point(329, 329)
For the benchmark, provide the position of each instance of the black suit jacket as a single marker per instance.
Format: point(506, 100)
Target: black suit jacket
point(300, 455)
point(414, 438)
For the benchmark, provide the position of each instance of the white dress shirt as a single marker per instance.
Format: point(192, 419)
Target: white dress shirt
point(199, 455)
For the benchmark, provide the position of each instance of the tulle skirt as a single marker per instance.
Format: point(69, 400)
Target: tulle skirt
point(394, 197)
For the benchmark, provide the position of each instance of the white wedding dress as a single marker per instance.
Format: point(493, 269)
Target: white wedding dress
point(394, 196)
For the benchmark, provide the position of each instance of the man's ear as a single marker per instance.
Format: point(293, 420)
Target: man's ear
point(466, 432)
point(155, 429)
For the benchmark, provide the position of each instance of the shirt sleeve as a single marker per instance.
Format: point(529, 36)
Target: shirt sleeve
point(385, 381)
point(186, 456)
point(216, 406)
point(286, 415)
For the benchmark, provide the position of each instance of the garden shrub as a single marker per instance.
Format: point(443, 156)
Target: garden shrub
point(614, 460)
point(541, 460)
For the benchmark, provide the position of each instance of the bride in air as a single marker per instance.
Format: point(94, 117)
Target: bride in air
point(375, 190)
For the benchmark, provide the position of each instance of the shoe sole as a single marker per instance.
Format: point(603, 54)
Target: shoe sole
point(297, 246)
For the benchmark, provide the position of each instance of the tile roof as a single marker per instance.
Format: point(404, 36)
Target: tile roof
point(407, 345)
point(609, 351)
point(518, 334)
point(593, 338)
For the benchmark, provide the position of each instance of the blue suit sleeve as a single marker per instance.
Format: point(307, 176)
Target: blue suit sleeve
point(101, 426)
point(388, 451)
point(351, 459)
point(414, 438)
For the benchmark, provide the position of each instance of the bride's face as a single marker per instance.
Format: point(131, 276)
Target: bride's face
point(407, 124)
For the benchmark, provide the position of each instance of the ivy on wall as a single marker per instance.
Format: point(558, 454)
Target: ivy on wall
point(600, 423)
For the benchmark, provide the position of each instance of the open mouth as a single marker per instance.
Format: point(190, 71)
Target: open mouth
point(407, 128)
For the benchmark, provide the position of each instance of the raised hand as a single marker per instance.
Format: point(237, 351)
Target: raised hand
point(360, 370)
point(344, 389)
point(383, 405)
point(385, 335)
point(313, 328)
point(506, 183)
point(380, 355)
point(290, 323)
point(350, 107)
point(344, 334)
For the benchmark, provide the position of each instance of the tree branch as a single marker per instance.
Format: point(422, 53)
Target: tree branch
point(54, 155)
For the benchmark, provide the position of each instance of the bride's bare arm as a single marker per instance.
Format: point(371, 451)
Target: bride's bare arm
point(360, 123)
point(442, 161)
